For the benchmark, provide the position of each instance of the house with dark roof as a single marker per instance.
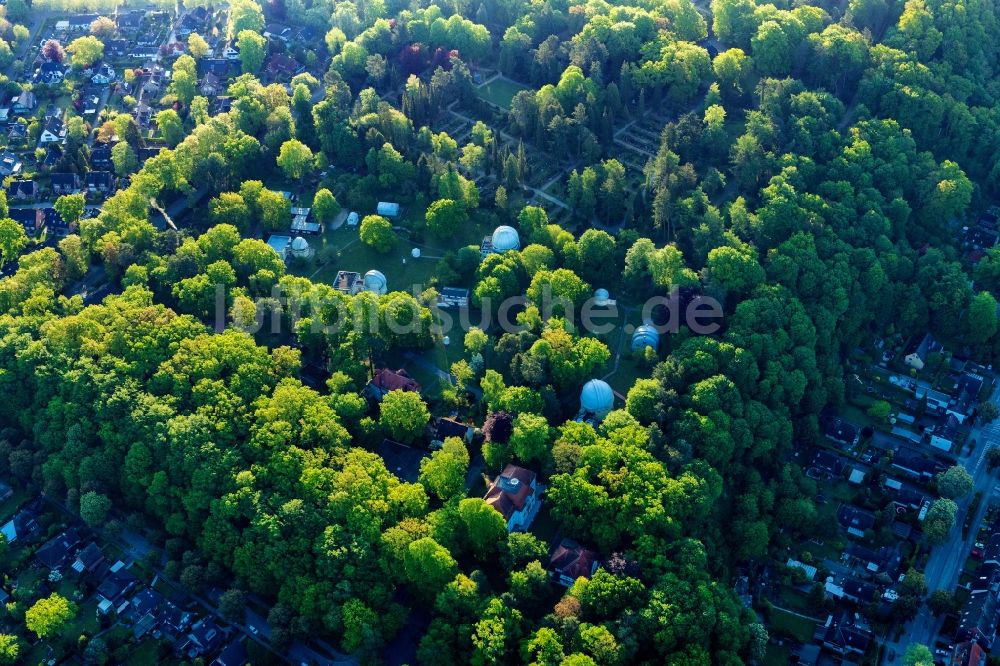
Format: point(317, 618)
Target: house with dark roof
point(22, 525)
point(10, 164)
point(204, 638)
point(50, 73)
point(570, 561)
point(100, 157)
point(54, 131)
point(22, 190)
point(977, 620)
point(402, 460)
point(220, 68)
point(55, 552)
point(88, 559)
point(842, 432)
point(845, 634)
point(514, 493)
point(24, 103)
point(282, 67)
point(348, 282)
point(914, 465)
point(102, 182)
point(386, 380)
point(828, 462)
point(854, 520)
point(115, 586)
point(32, 220)
point(453, 297)
point(445, 428)
point(859, 592)
point(17, 133)
point(64, 183)
point(915, 354)
point(116, 48)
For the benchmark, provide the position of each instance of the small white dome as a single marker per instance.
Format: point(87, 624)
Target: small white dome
point(597, 398)
point(300, 243)
point(602, 295)
point(505, 239)
point(375, 281)
point(415, 253)
point(645, 336)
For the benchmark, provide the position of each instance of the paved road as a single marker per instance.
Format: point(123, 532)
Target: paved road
point(945, 563)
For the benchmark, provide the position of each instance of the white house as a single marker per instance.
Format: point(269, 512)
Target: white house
point(53, 132)
point(515, 495)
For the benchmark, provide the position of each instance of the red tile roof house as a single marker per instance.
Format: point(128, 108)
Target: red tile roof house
point(516, 495)
point(386, 380)
point(570, 561)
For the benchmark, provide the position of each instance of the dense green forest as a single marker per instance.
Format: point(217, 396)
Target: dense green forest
point(814, 177)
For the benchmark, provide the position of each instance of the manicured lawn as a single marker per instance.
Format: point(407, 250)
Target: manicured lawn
point(500, 91)
point(787, 624)
point(9, 507)
point(147, 652)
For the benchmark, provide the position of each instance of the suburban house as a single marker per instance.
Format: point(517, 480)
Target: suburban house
point(116, 48)
point(387, 209)
point(386, 380)
point(231, 52)
point(10, 164)
point(204, 638)
point(88, 559)
point(54, 131)
point(916, 353)
point(22, 190)
point(103, 75)
point(854, 520)
point(914, 465)
point(32, 220)
point(977, 620)
point(17, 133)
point(54, 553)
point(64, 183)
point(281, 66)
point(234, 654)
point(100, 157)
point(570, 561)
point(112, 590)
point(453, 297)
point(515, 495)
point(845, 635)
point(50, 73)
point(445, 428)
point(842, 432)
point(348, 282)
point(24, 103)
point(102, 182)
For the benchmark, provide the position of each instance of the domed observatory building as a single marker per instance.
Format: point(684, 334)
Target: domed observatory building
point(375, 282)
point(645, 336)
point(300, 248)
point(504, 239)
point(596, 400)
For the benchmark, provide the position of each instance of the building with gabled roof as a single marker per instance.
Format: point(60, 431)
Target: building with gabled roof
point(514, 493)
point(570, 561)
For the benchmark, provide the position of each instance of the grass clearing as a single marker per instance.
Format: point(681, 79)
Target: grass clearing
point(500, 92)
point(788, 624)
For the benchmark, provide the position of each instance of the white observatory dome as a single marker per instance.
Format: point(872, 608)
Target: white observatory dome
point(375, 282)
point(300, 246)
point(597, 398)
point(505, 239)
point(645, 336)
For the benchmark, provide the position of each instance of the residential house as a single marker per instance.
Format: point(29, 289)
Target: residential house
point(32, 220)
point(143, 114)
point(281, 67)
point(945, 434)
point(453, 297)
point(100, 157)
point(828, 462)
point(231, 52)
point(278, 31)
point(22, 525)
point(204, 638)
point(80, 22)
point(348, 282)
point(195, 20)
point(570, 561)
point(50, 73)
point(64, 183)
point(130, 20)
point(211, 85)
point(10, 164)
point(25, 103)
point(54, 224)
point(17, 134)
point(103, 74)
point(445, 428)
point(54, 553)
point(116, 585)
point(385, 380)
point(100, 182)
point(978, 618)
point(515, 495)
point(859, 592)
point(54, 131)
point(116, 48)
point(854, 520)
point(89, 103)
point(845, 634)
point(22, 190)
point(915, 355)
point(147, 152)
point(145, 608)
point(842, 432)
point(88, 559)
point(217, 67)
point(915, 465)
point(402, 460)
point(808, 570)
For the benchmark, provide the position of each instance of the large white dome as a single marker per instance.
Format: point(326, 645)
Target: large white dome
point(300, 246)
point(375, 281)
point(505, 239)
point(597, 398)
point(645, 336)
